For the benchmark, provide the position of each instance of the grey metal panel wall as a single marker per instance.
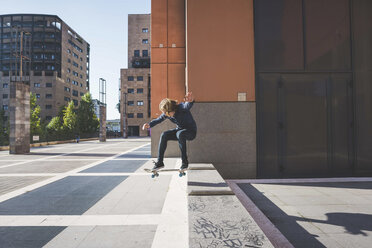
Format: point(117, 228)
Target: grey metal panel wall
point(305, 88)
point(362, 63)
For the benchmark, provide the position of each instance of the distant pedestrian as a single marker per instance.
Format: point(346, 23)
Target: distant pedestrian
point(186, 127)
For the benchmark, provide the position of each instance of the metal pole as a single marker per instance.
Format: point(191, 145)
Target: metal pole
point(125, 116)
point(21, 55)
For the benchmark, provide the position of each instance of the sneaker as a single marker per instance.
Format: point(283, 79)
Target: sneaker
point(158, 165)
point(184, 166)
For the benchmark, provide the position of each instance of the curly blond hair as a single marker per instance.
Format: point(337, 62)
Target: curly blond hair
point(168, 105)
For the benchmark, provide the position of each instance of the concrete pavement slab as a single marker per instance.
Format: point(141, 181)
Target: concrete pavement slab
point(45, 167)
point(70, 196)
point(116, 166)
point(8, 184)
point(27, 237)
point(335, 217)
point(105, 236)
point(135, 195)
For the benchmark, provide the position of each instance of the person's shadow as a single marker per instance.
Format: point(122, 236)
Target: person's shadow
point(353, 223)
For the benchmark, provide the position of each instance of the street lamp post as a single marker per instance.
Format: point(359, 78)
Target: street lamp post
point(125, 116)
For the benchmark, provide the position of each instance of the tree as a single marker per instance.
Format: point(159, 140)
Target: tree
point(4, 129)
point(69, 118)
point(35, 128)
point(86, 118)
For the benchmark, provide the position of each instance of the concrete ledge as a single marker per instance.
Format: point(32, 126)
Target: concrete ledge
point(6, 148)
point(216, 216)
point(201, 167)
point(206, 181)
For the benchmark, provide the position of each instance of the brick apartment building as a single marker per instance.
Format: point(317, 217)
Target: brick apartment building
point(282, 88)
point(59, 61)
point(135, 89)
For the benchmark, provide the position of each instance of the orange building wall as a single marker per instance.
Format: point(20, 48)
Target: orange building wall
point(220, 49)
point(168, 51)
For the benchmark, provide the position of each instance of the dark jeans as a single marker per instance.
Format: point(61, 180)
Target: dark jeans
point(175, 134)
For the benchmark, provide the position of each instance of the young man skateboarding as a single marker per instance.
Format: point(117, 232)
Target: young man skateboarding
point(186, 127)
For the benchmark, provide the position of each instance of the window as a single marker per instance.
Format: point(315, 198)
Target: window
point(140, 78)
point(5, 107)
point(130, 115)
point(49, 85)
point(75, 64)
point(75, 83)
point(38, 96)
point(81, 85)
point(145, 41)
point(68, 60)
point(139, 103)
point(68, 70)
point(67, 89)
point(68, 80)
point(76, 102)
point(75, 55)
point(145, 30)
point(48, 106)
point(5, 85)
point(140, 91)
point(145, 53)
point(81, 93)
point(48, 118)
point(131, 91)
point(36, 85)
point(75, 93)
point(130, 103)
point(130, 78)
point(67, 99)
point(139, 115)
point(48, 96)
point(5, 96)
point(136, 53)
point(75, 73)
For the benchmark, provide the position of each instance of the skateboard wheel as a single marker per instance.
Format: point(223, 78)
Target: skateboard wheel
point(152, 176)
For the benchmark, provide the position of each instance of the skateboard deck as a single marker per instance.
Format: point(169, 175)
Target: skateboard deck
point(155, 173)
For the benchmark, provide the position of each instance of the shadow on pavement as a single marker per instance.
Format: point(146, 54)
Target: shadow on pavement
point(353, 223)
point(287, 225)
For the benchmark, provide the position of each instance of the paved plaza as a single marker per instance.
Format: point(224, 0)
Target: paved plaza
point(97, 195)
point(90, 194)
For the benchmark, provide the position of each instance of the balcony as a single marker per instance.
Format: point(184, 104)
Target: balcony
point(140, 62)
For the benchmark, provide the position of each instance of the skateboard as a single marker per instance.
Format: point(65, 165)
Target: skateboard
point(155, 173)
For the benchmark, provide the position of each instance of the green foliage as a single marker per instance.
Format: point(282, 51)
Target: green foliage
point(4, 129)
point(69, 118)
point(71, 122)
point(35, 128)
point(87, 121)
point(55, 124)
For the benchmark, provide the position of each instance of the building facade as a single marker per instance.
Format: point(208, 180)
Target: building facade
point(282, 88)
point(59, 61)
point(135, 89)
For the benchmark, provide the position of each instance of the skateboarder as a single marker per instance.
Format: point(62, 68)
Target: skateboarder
point(186, 127)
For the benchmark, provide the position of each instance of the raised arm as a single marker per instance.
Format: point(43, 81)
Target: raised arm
point(189, 100)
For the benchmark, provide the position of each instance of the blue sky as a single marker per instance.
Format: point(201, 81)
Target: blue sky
point(103, 24)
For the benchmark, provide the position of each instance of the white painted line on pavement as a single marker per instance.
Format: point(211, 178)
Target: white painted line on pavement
point(60, 176)
point(173, 229)
point(54, 156)
point(79, 220)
